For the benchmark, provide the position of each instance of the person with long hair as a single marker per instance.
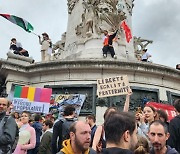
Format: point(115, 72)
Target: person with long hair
point(148, 116)
point(99, 140)
point(27, 135)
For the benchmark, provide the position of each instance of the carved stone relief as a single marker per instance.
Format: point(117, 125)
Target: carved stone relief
point(139, 45)
point(98, 15)
point(71, 4)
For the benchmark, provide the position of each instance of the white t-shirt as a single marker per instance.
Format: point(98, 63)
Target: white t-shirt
point(145, 55)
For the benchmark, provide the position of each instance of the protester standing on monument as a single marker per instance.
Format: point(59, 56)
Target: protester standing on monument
point(107, 42)
point(27, 135)
point(17, 48)
point(46, 47)
point(91, 120)
point(8, 128)
point(61, 128)
point(145, 55)
point(158, 135)
point(80, 138)
point(121, 133)
point(174, 128)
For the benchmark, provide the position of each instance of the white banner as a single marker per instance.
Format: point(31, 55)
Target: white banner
point(21, 104)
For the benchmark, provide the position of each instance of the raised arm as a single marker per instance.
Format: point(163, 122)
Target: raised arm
point(97, 137)
point(126, 104)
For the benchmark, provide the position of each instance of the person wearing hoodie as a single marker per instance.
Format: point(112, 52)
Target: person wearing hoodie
point(174, 128)
point(121, 133)
point(45, 145)
point(80, 139)
point(158, 135)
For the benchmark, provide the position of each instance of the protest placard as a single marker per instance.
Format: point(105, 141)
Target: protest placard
point(31, 99)
point(63, 100)
point(22, 104)
point(112, 86)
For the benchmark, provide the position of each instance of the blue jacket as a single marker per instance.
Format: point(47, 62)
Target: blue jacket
point(38, 128)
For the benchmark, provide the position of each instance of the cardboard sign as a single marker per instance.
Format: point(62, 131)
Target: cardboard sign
point(169, 109)
point(112, 86)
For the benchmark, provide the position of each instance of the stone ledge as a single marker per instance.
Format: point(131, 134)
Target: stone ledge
point(86, 64)
point(19, 59)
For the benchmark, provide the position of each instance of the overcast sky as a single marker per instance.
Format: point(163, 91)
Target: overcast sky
point(157, 20)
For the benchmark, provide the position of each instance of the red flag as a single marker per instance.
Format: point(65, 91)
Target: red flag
point(127, 31)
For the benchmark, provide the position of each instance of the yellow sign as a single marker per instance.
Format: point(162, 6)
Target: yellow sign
point(112, 86)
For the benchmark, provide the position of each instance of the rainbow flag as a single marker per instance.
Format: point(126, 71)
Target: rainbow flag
point(33, 94)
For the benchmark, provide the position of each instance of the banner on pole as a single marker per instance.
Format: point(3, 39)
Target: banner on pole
point(113, 86)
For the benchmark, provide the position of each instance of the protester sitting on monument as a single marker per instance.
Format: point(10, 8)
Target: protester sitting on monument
point(27, 135)
point(99, 140)
point(17, 48)
point(145, 55)
point(158, 135)
point(121, 133)
point(46, 47)
point(108, 41)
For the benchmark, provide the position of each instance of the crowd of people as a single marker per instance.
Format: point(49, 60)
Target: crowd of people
point(146, 131)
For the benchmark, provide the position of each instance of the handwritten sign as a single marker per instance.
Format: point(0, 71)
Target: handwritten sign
point(21, 104)
point(112, 86)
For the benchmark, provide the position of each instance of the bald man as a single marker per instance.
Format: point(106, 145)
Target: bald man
point(80, 138)
point(8, 128)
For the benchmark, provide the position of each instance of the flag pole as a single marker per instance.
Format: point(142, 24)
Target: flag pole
point(34, 33)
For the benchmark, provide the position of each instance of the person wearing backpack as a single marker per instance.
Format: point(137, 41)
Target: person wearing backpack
point(8, 128)
point(61, 128)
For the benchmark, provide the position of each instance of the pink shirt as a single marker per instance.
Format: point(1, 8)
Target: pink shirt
point(22, 149)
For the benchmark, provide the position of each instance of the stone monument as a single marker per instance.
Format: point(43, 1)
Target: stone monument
point(87, 19)
point(79, 62)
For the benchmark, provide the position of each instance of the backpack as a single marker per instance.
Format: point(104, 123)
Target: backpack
point(66, 123)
